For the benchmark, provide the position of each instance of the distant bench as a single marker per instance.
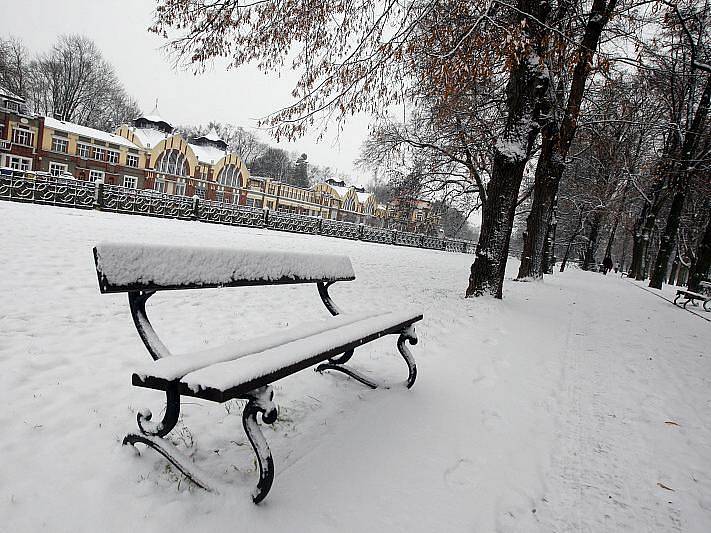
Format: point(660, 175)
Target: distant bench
point(246, 369)
point(693, 297)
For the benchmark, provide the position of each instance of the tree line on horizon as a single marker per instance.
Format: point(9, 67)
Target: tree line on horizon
point(74, 82)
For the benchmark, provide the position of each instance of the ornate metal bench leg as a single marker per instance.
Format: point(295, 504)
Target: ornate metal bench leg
point(260, 401)
point(177, 459)
point(678, 295)
point(348, 371)
point(172, 412)
point(411, 336)
point(337, 362)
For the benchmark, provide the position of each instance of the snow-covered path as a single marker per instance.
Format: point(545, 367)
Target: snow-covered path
point(545, 412)
point(635, 418)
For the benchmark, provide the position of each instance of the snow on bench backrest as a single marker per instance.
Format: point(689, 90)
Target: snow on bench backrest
point(129, 267)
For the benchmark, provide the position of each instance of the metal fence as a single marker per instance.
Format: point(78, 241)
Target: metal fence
point(88, 195)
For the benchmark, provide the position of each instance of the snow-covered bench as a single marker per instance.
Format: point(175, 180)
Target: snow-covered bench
point(246, 369)
point(690, 296)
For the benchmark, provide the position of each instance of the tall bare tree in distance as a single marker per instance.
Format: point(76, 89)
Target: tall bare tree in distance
point(72, 81)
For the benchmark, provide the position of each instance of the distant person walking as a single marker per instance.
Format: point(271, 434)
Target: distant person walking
point(606, 265)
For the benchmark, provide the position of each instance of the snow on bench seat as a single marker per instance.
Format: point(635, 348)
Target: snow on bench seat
point(176, 366)
point(225, 380)
point(128, 266)
point(694, 295)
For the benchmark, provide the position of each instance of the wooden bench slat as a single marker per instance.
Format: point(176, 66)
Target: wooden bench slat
point(223, 381)
point(176, 366)
point(694, 295)
point(133, 267)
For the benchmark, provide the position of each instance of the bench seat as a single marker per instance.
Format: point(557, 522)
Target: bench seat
point(694, 295)
point(176, 366)
point(233, 371)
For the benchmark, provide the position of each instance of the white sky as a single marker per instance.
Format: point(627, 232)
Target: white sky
point(239, 96)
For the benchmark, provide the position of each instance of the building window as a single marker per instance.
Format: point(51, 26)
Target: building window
point(180, 188)
point(159, 186)
point(172, 162)
point(22, 136)
point(229, 175)
point(96, 175)
point(132, 160)
point(19, 163)
point(130, 182)
point(60, 144)
point(99, 154)
point(57, 169)
point(83, 151)
point(220, 196)
point(113, 157)
point(200, 192)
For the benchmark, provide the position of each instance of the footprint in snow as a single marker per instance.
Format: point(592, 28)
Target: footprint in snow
point(462, 475)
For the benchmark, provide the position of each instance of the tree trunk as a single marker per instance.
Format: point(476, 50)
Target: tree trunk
point(645, 226)
point(567, 252)
point(681, 188)
point(525, 90)
point(668, 240)
point(611, 239)
point(556, 144)
point(701, 267)
point(591, 249)
point(549, 251)
point(487, 272)
point(674, 271)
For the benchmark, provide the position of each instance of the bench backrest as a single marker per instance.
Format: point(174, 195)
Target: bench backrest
point(142, 267)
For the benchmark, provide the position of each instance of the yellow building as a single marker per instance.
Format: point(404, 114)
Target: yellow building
point(351, 203)
point(203, 167)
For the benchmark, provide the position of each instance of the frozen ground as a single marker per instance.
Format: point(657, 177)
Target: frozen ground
point(578, 404)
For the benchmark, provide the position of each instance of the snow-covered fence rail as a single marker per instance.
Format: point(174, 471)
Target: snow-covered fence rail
point(61, 192)
point(88, 195)
point(291, 222)
point(138, 202)
point(221, 213)
point(404, 238)
point(342, 230)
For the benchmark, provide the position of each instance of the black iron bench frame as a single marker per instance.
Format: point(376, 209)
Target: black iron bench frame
point(690, 296)
point(258, 393)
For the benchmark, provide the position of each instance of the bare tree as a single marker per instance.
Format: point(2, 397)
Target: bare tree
point(14, 65)
point(75, 83)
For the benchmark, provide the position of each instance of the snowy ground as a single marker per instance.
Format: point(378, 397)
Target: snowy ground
point(578, 404)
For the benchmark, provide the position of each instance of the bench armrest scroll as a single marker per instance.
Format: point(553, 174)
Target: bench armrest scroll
point(326, 298)
point(137, 303)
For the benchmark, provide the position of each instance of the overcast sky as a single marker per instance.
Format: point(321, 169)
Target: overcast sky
point(237, 96)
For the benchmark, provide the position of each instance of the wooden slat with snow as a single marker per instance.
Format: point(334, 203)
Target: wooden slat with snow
point(247, 369)
point(132, 267)
point(236, 376)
